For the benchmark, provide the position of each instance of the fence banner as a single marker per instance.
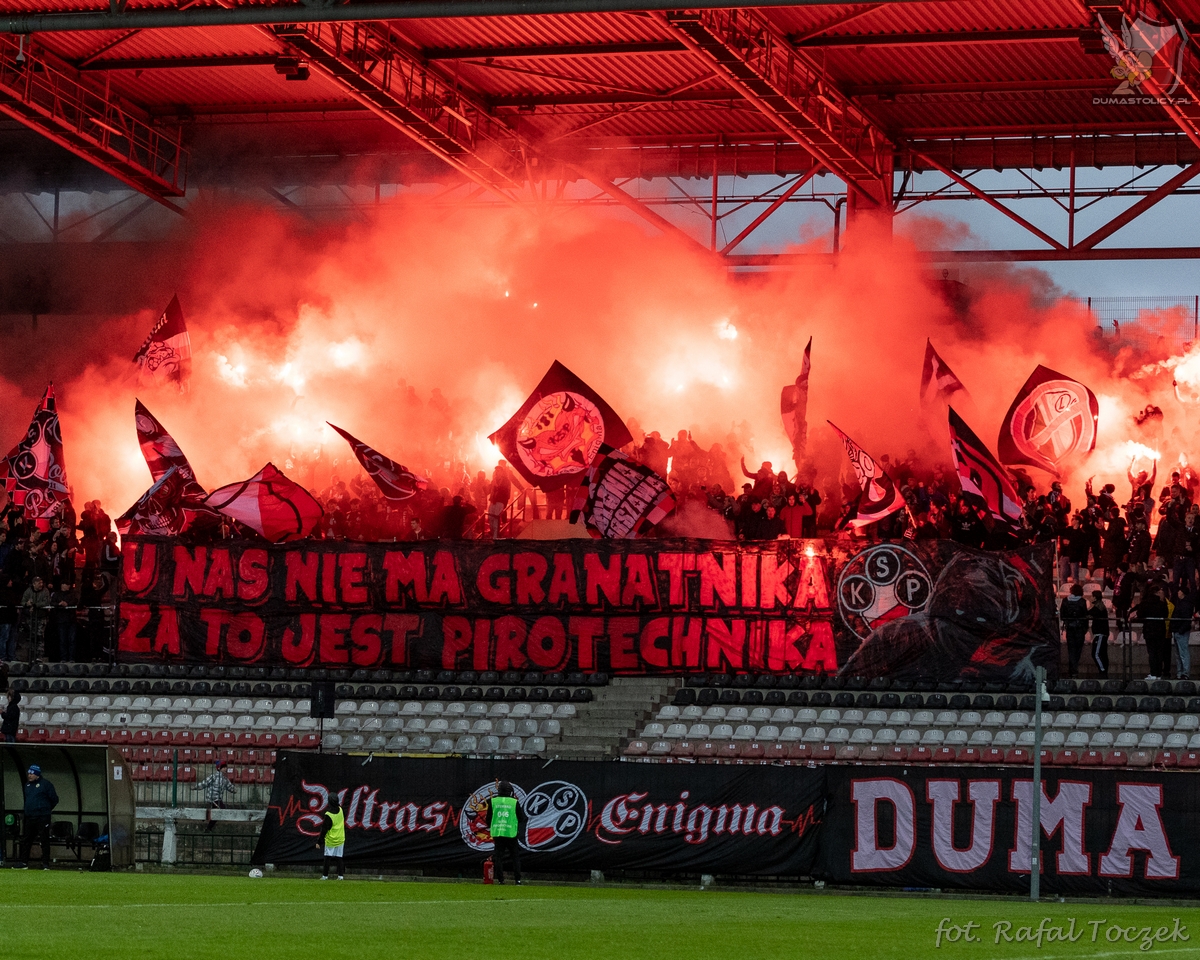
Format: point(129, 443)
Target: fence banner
point(1103, 832)
point(930, 610)
point(687, 818)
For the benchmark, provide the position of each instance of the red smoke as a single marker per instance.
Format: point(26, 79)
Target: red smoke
point(294, 325)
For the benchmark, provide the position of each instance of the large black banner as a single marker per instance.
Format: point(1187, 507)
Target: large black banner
point(688, 818)
point(1120, 831)
point(932, 610)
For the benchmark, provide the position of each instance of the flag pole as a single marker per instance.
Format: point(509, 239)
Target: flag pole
point(1035, 846)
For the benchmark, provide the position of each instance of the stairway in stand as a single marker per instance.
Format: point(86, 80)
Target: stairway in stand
point(602, 727)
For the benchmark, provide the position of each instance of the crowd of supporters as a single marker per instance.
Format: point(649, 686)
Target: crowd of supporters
point(56, 583)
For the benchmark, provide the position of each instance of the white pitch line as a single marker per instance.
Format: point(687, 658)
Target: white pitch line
point(1133, 948)
point(262, 903)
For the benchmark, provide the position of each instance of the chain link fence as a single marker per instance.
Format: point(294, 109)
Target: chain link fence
point(1169, 324)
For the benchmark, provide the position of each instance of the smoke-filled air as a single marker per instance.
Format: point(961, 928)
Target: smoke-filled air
point(422, 330)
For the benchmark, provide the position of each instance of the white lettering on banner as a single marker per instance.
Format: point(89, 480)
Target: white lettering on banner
point(984, 795)
point(868, 856)
point(622, 815)
point(1140, 827)
point(1065, 812)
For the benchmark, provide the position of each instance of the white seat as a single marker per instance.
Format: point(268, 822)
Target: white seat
point(81, 718)
point(714, 714)
point(814, 735)
point(837, 735)
point(436, 725)
point(160, 704)
point(416, 725)
point(768, 731)
point(1113, 721)
point(432, 708)
point(368, 707)
point(876, 718)
point(861, 735)
point(1025, 738)
point(760, 715)
point(549, 727)
point(348, 725)
point(182, 720)
point(805, 715)
point(1088, 721)
point(245, 722)
point(653, 731)
point(980, 738)
point(564, 711)
point(933, 737)
point(397, 744)
point(689, 714)
point(302, 708)
point(498, 710)
point(956, 738)
point(908, 737)
point(783, 715)
point(466, 744)
point(263, 706)
point(140, 705)
point(529, 728)
point(543, 710)
point(521, 711)
point(1150, 741)
point(284, 706)
point(346, 708)
point(1126, 740)
point(225, 722)
point(1053, 738)
point(1176, 741)
point(285, 723)
point(745, 731)
point(389, 708)
point(265, 722)
point(737, 715)
point(413, 708)
point(791, 734)
point(458, 726)
point(181, 705)
point(222, 705)
point(722, 731)
point(852, 718)
point(505, 727)
point(1163, 723)
point(533, 746)
point(161, 720)
point(922, 718)
point(884, 735)
point(1005, 738)
point(946, 718)
point(201, 705)
point(307, 724)
point(1101, 740)
point(1194, 743)
point(1065, 721)
point(1138, 721)
point(245, 705)
point(1077, 740)
point(1017, 720)
point(1187, 723)
point(39, 701)
point(482, 726)
point(84, 703)
point(104, 719)
point(674, 731)
point(830, 715)
point(899, 718)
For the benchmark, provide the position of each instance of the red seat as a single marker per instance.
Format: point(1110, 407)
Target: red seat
point(1141, 758)
point(729, 750)
point(872, 753)
point(799, 751)
point(970, 755)
point(267, 739)
point(775, 751)
point(246, 740)
point(310, 741)
point(1167, 759)
point(1047, 756)
point(127, 752)
point(847, 751)
point(187, 755)
point(1066, 758)
point(1115, 758)
point(683, 748)
point(162, 771)
point(121, 737)
point(181, 738)
point(897, 753)
point(229, 756)
point(143, 736)
point(22, 734)
point(141, 754)
point(204, 738)
point(102, 736)
point(187, 774)
point(289, 741)
point(267, 775)
point(225, 739)
point(142, 771)
point(992, 755)
point(1189, 759)
point(636, 748)
point(1018, 755)
point(80, 736)
point(60, 735)
point(162, 738)
point(706, 749)
point(944, 755)
point(823, 753)
point(1091, 758)
point(205, 755)
point(920, 754)
point(750, 751)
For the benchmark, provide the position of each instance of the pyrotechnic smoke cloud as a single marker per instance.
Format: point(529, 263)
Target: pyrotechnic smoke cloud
point(292, 326)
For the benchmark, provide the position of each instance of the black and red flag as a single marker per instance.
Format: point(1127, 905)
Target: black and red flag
point(159, 447)
point(269, 503)
point(938, 381)
point(173, 505)
point(984, 481)
point(878, 496)
point(559, 430)
point(34, 473)
point(793, 408)
point(619, 498)
point(395, 481)
point(165, 356)
point(1051, 419)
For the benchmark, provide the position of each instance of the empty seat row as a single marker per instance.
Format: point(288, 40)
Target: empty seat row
point(177, 738)
point(464, 744)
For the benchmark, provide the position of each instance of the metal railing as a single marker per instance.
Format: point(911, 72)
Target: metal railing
point(1146, 322)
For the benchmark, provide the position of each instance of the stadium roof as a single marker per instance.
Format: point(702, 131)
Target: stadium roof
point(509, 92)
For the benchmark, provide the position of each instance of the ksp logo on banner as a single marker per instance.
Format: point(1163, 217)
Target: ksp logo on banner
point(882, 583)
point(555, 811)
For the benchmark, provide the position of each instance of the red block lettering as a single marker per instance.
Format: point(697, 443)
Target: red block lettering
point(189, 571)
point(139, 566)
point(352, 567)
point(252, 575)
point(300, 575)
point(404, 571)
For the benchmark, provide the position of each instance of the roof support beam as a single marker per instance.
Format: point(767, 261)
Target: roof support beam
point(794, 94)
point(976, 256)
point(778, 202)
point(959, 37)
point(50, 98)
point(1137, 209)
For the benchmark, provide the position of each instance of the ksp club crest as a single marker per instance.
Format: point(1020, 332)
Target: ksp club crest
point(561, 434)
point(1052, 418)
point(883, 583)
point(555, 815)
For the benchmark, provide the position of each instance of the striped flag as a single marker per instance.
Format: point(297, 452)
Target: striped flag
point(938, 382)
point(269, 503)
point(878, 496)
point(984, 482)
point(619, 498)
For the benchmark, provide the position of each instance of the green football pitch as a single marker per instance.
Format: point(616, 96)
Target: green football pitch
point(65, 916)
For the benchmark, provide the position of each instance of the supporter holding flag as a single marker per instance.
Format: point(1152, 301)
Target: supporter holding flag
point(878, 496)
point(270, 504)
point(394, 481)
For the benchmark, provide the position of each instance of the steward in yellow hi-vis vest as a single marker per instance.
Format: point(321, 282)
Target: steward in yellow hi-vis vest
point(505, 820)
point(333, 836)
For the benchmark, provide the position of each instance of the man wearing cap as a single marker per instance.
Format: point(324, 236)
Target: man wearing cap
point(40, 800)
point(215, 786)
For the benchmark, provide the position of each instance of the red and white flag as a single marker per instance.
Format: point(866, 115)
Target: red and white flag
point(395, 481)
point(165, 356)
point(34, 473)
point(619, 498)
point(277, 508)
point(1051, 420)
point(793, 408)
point(879, 497)
point(938, 382)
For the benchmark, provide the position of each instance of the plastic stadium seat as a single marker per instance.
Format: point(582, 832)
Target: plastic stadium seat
point(1077, 740)
point(861, 736)
point(1126, 740)
point(1018, 755)
point(1140, 758)
point(791, 734)
point(659, 748)
point(1189, 759)
point(487, 745)
point(1116, 758)
point(564, 711)
point(729, 750)
point(653, 731)
point(1167, 759)
point(442, 745)
point(944, 755)
point(1176, 741)
point(705, 749)
point(823, 752)
point(533, 746)
point(744, 731)
point(1162, 722)
point(549, 728)
point(775, 751)
point(636, 748)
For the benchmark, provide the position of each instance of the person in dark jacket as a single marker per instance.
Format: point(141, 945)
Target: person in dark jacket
point(1181, 629)
point(1098, 613)
point(11, 722)
point(1153, 613)
point(1073, 615)
point(40, 800)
